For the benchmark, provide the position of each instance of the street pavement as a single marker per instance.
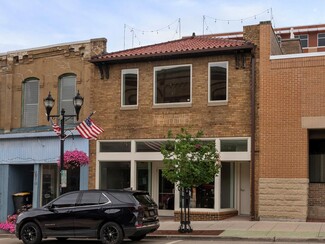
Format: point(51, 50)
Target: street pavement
point(239, 228)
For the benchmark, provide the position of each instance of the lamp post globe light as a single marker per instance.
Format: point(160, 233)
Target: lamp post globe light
point(49, 103)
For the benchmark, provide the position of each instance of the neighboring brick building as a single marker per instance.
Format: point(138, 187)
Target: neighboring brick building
point(312, 37)
point(29, 147)
point(290, 130)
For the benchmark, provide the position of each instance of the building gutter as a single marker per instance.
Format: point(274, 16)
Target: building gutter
point(253, 130)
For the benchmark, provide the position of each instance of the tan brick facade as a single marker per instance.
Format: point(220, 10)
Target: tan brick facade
point(46, 64)
point(147, 122)
point(291, 96)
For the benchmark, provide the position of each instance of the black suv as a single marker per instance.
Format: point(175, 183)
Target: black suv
point(108, 215)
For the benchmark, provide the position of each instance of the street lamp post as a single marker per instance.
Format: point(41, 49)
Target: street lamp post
point(49, 103)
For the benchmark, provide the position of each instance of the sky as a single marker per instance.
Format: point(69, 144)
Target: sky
point(26, 24)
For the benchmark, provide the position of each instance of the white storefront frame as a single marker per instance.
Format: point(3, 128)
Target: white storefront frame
point(134, 156)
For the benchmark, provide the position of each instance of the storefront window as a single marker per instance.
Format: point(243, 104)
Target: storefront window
point(227, 185)
point(144, 176)
point(73, 180)
point(114, 175)
point(203, 196)
point(49, 183)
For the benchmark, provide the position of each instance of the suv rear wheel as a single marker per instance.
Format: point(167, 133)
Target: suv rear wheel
point(111, 233)
point(30, 233)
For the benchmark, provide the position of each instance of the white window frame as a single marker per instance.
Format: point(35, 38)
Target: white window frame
point(24, 121)
point(179, 104)
point(129, 71)
point(219, 102)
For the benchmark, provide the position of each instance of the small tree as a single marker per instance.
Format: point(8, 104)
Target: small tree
point(189, 162)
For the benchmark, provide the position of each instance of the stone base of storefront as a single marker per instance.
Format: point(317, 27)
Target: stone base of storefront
point(284, 199)
point(207, 216)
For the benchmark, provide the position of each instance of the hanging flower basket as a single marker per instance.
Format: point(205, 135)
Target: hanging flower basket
point(74, 159)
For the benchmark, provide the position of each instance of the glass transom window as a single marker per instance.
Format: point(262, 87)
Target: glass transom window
point(129, 94)
point(172, 84)
point(233, 145)
point(218, 81)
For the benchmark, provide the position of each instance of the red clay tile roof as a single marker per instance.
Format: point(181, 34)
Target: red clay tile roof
point(185, 45)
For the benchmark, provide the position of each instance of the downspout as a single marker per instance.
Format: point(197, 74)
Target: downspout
point(253, 118)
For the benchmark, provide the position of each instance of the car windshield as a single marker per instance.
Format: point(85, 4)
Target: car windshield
point(144, 198)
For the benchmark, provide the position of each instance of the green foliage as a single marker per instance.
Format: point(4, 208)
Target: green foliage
point(189, 161)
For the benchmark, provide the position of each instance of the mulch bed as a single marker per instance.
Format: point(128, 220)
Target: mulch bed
point(194, 232)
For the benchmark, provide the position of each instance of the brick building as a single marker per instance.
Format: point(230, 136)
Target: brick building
point(194, 83)
point(29, 147)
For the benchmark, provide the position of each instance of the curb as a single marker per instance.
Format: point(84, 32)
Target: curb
point(230, 238)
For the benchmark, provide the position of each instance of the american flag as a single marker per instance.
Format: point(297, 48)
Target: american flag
point(56, 128)
point(88, 129)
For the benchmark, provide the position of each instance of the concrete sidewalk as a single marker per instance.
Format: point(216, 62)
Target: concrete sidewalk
point(243, 228)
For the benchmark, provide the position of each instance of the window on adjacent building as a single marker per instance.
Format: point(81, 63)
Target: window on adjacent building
point(30, 102)
point(321, 39)
point(303, 40)
point(130, 82)
point(67, 86)
point(172, 84)
point(218, 81)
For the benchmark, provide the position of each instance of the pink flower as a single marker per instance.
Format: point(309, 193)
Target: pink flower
point(74, 159)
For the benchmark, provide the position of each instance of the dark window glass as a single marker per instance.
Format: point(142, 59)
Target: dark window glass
point(103, 199)
point(66, 201)
point(303, 40)
point(317, 160)
point(321, 39)
point(115, 175)
point(149, 146)
point(227, 185)
point(205, 195)
point(144, 199)
point(124, 146)
point(233, 145)
point(218, 82)
point(90, 198)
point(173, 85)
point(143, 176)
point(130, 88)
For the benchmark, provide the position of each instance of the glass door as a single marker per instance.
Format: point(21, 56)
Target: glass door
point(163, 191)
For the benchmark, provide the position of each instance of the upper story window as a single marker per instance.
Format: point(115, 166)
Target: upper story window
point(130, 86)
point(30, 102)
point(173, 84)
point(321, 39)
point(303, 40)
point(218, 81)
point(67, 86)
